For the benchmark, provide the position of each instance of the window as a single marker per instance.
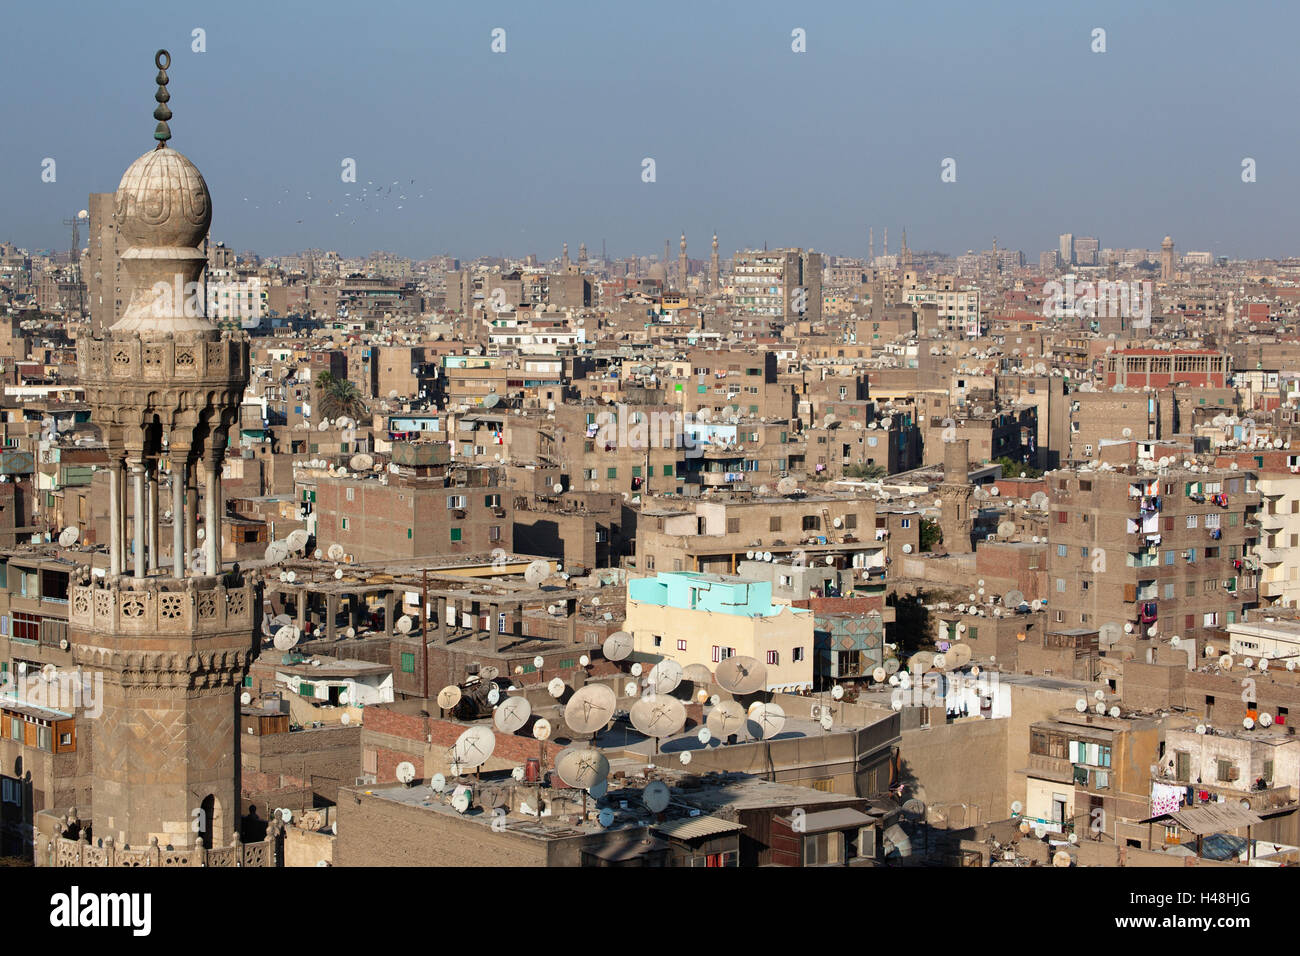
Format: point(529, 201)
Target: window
point(774, 523)
point(455, 534)
point(345, 524)
point(408, 663)
point(717, 653)
point(796, 654)
point(351, 494)
point(681, 645)
point(773, 657)
point(611, 472)
point(658, 640)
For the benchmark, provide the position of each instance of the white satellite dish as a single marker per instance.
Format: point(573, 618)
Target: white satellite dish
point(537, 572)
point(512, 714)
point(405, 772)
point(68, 536)
point(335, 552)
point(449, 697)
point(297, 540)
point(285, 638)
point(556, 687)
point(837, 692)
point(245, 698)
point(542, 729)
point(539, 661)
point(1081, 705)
point(404, 624)
point(656, 796)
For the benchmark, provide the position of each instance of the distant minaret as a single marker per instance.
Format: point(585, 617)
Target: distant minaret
point(871, 246)
point(582, 255)
point(1232, 312)
point(1167, 259)
point(886, 252)
point(681, 264)
point(564, 259)
point(714, 285)
point(906, 253)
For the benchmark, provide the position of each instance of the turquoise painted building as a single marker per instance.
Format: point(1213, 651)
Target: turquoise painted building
point(694, 591)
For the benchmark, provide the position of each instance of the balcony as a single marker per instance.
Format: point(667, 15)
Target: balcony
point(1270, 555)
point(1271, 523)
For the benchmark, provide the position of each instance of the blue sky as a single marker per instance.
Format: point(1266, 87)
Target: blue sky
point(518, 152)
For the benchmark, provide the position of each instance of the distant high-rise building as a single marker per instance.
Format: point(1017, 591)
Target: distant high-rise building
point(1087, 251)
point(782, 283)
point(107, 284)
point(1067, 249)
point(1047, 261)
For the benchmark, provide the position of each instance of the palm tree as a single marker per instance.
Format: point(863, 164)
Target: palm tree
point(337, 397)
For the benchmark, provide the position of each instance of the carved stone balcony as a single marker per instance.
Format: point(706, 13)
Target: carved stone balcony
point(192, 607)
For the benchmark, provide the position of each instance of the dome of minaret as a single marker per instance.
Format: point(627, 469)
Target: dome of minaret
point(163, 202)
point(163, 213)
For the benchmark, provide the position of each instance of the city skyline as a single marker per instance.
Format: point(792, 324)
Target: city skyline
point(725, 114)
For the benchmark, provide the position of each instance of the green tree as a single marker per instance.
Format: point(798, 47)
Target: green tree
point(866, 472)
point(336, 397)
point(931, 534)
point(1012, 469)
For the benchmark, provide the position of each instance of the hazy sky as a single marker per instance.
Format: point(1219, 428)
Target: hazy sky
point(518, 152)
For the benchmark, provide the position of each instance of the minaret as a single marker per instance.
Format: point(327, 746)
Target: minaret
point(564, 259)
point(886, 252)
point(906, 253)
point(714, 284)
point(681, 265)
point(871, 246)
point(956, 491)
point(666, 261)
point(1167, 259)
point(582, 256)
point(172, 640)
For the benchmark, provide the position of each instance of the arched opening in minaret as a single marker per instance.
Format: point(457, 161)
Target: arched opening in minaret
point(207, 819)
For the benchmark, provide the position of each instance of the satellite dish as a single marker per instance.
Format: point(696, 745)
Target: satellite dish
point(741, 675)
point(460, 802)
point(494, 695)
point(245, 698)
point(704, 736)
point(1266, 720)
point(582, 769)
point(591, 708)
point(285, 638)
point(1226, 661)
point(474, 746)
point(658, 715)
point(685, 757)
point(537, 572)
point(338, 576)
point(449, 697)
point(404, 624)
point(665, 676)
point(361, 462)
point(335, 552)
point(345, 718)
point(630, 689)
point(556, 687)
point(584, 661)
point(1081, 705)
point(405, 772)
point(517, 774)
point(1200, 728)
point(1013, 598)
point(605, 818)
point(765, 721)
point(726, 718)
point(656, 796)
point(837, 692)
point(636, 669)
point(539, 661)
point(827, 721)
point(1248, 723)
point(1114, 711)
point(276, 552)
point(68, 536)
point(512, 714)
point(542, 729)
point(297, 540)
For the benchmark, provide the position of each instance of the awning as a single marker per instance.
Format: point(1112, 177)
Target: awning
point(692, 828)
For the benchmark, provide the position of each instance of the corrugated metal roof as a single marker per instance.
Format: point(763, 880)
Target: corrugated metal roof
point(692, 828)
point(1215, 818)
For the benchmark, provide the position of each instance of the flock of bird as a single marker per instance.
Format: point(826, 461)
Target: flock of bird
point(372, 197)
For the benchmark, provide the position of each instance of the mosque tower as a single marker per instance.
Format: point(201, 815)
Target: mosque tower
point(171, 635)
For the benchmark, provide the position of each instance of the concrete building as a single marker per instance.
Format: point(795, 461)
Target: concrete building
point(705, 618)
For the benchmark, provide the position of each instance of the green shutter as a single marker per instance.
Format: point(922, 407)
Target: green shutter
point(408, 663)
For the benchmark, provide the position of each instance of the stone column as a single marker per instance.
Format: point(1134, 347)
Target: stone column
point(388, 613)
point(178, 516)
point(151, 511)
point(138, 538)
point(115, 515)
point(494, 629)
point(191, 511)
point(212, 517)
point(331, 615)
point(444, 626)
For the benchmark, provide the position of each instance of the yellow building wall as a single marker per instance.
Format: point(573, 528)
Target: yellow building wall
point(750, 636)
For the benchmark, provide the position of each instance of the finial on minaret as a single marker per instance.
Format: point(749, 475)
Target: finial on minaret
point(715, 242)
point(162, 59)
